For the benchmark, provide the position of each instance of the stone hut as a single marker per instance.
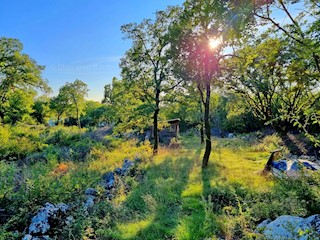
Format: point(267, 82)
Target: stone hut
point(169, 132)
point(172, 131)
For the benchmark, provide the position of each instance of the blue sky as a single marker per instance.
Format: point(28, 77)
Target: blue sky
point(75, 39)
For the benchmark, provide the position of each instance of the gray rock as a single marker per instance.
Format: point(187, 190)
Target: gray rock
point(40, 222)
point(64, 208)
point(137, 160)
point(292, 227)
point(127, 166)
point(45, 237)
point(109, 180)
point(292, 168)
point(261, 226)
point(69, 220)
point(230, 135)
point(118, 171)
point(27, 237)
point(147, 136)
point(91, 191)
point(89, 203)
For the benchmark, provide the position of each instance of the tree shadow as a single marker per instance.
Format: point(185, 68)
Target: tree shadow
point(294, 144)
point(196, 220)
point(210, 172)
point(158, 199)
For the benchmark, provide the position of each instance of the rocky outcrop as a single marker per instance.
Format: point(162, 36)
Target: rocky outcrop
point(30, 237)
point(127, 166)
point(41, 223)
point(52, 215)
point(291, 227)
point(91, 195)
point(292, 166)
point(109, 180)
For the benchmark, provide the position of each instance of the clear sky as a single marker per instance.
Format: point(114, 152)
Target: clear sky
point(75, 39)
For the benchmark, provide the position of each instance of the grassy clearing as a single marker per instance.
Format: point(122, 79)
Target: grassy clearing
point(179, 200)
point(176, 198)
point(172, 201)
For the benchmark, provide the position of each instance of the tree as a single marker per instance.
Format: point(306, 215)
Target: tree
point(107, 98)
point(147, 64)
point(17, 72)
point(275, 81)
point(96, 113)
point(73, 96)
point(198, 41)
point(18, 107)
point(127, 109)
point(41, 109)
point(59, 105)
point(302, 29)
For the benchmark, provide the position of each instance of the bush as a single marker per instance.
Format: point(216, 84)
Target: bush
point(17, 142)
point(268, 143)
point(240, 208)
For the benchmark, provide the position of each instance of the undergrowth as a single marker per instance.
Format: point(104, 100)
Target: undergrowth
point(171, 198)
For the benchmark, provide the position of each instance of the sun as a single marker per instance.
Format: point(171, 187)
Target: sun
point(214, 43)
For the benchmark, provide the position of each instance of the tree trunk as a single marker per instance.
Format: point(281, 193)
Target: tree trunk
point(201, 116)
point(201, 121)
point(2, 114)
point(268, 166)
point(201, 132)
point(155, 123)
point(207, 129)
point(78, 118)
point(58, 119)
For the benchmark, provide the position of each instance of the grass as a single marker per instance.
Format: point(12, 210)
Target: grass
point(176, 198)
point(172, 201)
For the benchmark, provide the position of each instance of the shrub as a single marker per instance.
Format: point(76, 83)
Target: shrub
point(16, 143)
point(268, 143)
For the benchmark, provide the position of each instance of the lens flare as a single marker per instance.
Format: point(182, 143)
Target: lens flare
point(214, 43)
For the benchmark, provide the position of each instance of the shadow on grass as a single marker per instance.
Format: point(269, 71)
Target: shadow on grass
point(195, 221)
point(170, 203)
point(152, 210)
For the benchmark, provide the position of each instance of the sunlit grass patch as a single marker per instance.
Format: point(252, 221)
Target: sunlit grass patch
point(242, 166)
point(104, 160)
point(194, 185)
point(130, 230)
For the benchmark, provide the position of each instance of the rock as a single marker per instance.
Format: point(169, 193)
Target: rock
point(40, 222)
point(230, 135)
point(292, 168)
point(292, 227)
point(314, 222)
point(91, 191)
point(127, 166)
point(45, 237)
point(64, 208)
point(280, 165)
point(261, 226)
point(89, 203)
point(118, 171)
point(27, 237)
point(69, 220)
point(109, 180)
point(147, 136)
point(137, 160)
point(310, 165)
